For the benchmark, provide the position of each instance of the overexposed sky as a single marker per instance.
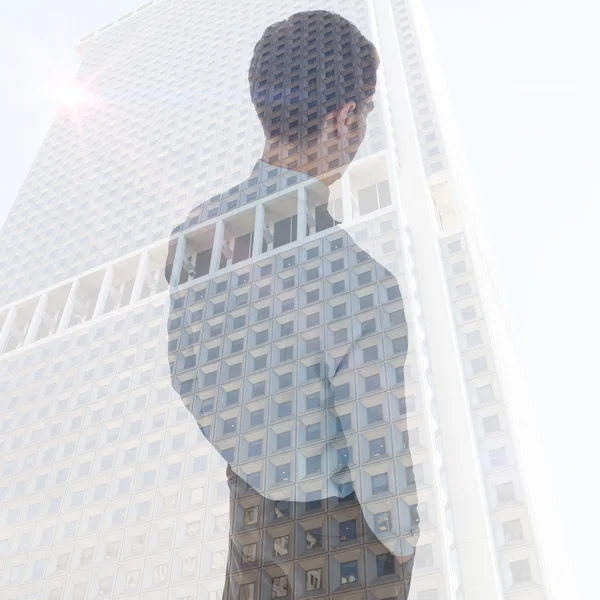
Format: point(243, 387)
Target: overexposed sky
point(523, 81)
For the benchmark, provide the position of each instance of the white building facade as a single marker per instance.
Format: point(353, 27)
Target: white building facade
point(107, 487)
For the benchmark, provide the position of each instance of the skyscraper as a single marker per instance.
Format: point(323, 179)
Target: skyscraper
point(107, 487)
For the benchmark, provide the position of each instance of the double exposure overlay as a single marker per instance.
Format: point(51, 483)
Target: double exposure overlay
point(247, 345)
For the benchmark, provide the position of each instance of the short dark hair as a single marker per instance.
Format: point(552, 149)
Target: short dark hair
point(307, 66)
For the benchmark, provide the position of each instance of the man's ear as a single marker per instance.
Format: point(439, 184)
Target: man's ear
point(343, 119)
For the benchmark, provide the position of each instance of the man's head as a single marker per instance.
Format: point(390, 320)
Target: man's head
point(312, 78)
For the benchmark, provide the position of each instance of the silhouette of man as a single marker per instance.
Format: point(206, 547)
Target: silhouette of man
point(267, 359)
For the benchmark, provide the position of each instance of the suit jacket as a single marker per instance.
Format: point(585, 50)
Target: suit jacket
point(291, 361)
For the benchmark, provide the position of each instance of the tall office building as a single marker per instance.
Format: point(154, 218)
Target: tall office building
point(108, 489)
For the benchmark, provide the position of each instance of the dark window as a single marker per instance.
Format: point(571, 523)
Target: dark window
point(263, 313)
point(340, 335)
point(262, 337)
point(337, 287)
point(313, 431)
point(314, 538)
point(343, 423)
point(337, 265)
point(313, 371)
point(374, 413)
point(258, 389)
point(281, 509)
point(312, 296)
point(255, 448)
point(349, 572)
point(379, 483)
point(285, 381)
point(229, 425)
point(365, 301)
point(312, 319)
point(313, 500)
point(284, 409)
point(377, 447)
point(260, 362)
point(257, 417)
point(385, 564)
point(372, 382)
point(282, 473)
point(369, 327)
point(287, 328)
point(348, 530)
point(344, 456)
point(284, 440)
point(313, 464)
point(232, 397)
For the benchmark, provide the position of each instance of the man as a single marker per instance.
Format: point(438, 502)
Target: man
point(301, 521)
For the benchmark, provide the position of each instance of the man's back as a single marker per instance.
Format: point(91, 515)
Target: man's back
point(291, 361)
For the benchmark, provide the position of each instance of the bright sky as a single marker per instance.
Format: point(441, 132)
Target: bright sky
point(523, 81)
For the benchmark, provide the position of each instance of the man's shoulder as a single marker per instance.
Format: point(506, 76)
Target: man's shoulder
point(214, 206)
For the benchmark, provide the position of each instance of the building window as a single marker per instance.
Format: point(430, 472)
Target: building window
point(282, 473)
point(513, 530)
point(374, 413)
point(377, 447)
point(281, 509)
point(348, 530)
point(284, 409)
point(313, 371)
point(251, 516)
point(229, 425)
point(485, 394)
point(521, 571)
point(344, 456)
point(505, 492)
point(349, 572)
point(313, 432)
point(313, 538)
point(284, 440)
point(370, 354)
point(279, 587)
point(313, 345)
point(287, 328)
point(383, 521)
point(247, 591)
point(232, 397)
point(343, 423)
point(255, 448)
point(256, 417)
point(253, 480)
point(374, 197)
point(498, 457)
point(313, 579)
point(400, 345)
point(313, 401)
point(379, 483)
point(372, 382)
point(248, 553)
point(491, 424)
point(313, 500)
point(386, 564)
point(365, 301)
point(258, 389)
point(368, 327)
point(280, 545)
point(340, 335)
point(285, 381)
point(313, 464)
point(424, 556)
point(479, 365)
